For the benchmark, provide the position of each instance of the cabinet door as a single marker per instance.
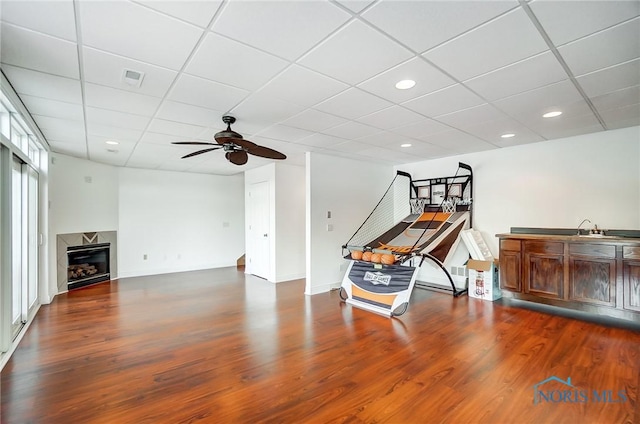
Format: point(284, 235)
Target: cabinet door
point(592, 280)
point(510, 271)
point(631, 272)
point(544, 269)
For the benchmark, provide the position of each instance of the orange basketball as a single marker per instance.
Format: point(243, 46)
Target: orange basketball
point(366, 256)
point(388, 259)
point(356, 255)
point(376, 257)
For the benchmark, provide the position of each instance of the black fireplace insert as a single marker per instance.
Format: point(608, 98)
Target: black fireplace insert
point(88, 264)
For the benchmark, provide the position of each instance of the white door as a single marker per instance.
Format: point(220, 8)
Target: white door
point(259, 253)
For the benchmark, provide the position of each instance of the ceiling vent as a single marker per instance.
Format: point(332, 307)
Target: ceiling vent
point(132, 78)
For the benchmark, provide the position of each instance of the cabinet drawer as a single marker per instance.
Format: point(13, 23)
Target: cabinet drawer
point(544, 247)
point(594, 250)
point(513, 245)
point(630, 252)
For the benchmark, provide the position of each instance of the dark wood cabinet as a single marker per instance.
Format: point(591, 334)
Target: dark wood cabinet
point(544, 269)
point(600, 276)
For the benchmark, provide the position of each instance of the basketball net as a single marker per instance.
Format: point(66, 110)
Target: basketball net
point(417, 204)
point(449, 205)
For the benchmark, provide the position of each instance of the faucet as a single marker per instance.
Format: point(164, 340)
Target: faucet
point(583, 221)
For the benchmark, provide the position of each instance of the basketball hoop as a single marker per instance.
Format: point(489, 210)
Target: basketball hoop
point(417, 204)
point(450, 205)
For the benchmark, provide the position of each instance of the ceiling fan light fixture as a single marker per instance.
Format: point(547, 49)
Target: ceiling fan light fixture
point(405, 84)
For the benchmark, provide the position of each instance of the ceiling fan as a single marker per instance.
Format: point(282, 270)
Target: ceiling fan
point(235, 147)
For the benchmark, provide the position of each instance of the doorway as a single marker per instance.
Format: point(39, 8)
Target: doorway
point(259, 249)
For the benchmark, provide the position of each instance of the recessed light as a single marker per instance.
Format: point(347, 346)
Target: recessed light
point(112, 150)
point(405, 84)
point(405, 145)
point(509, 135)
point(552, 114)
point(113, 143)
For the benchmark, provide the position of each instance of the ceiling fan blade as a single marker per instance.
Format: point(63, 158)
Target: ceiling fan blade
point(266, 152)
point(239, 157)
point(239, 141)
point(194, 143)
point(199, 152)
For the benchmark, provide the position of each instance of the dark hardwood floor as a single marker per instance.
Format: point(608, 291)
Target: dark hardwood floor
point(216, 347)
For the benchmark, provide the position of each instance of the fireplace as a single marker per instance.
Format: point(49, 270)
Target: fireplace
point(87, 264)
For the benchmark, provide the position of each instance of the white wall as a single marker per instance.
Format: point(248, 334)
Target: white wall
point(180, 221)
point(556, 183)
point(350, 190)
point(290, 222)
point(83, 197)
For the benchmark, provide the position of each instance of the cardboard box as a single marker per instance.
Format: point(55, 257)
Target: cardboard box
point(484, 280)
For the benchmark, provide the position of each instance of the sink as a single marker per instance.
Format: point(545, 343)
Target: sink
point(596, 236)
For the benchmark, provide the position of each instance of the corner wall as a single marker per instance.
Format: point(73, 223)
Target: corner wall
point(556, 183)
point(350, 190)
point(181, 221)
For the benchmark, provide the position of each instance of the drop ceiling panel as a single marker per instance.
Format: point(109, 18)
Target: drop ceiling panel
point(616, 99)
point(352, 130)
point(447, 100)
point(134, 31)
point(39, 84)
point(63, 130)
point(230, 62)
point(48, 17)
point(425, 24)
point(321, 140)
point(116, 119)
point(387, 140)
point(349, 147)
point(487, 48)
point(622, 117)
point(150, 137)
point(427, 150)
point(302, 86)
point(119, 100)
point(204, 93)
point(314, 120)
point(284, 28)
point(392, 117)
point(428, 79)
point(78, 150)
point(107, 69)
point(610, 79)
point(178, 129)
point(531, 105)
point(196, 12)
point(53, 108)
point(113, 132)
point(458, 141)
point(265, 109)
point(472, 116)
point(39, 52)
point(568, 126)
point(567, 21)
point(189, 114)
point(614, 45)
point(355, 53)
point(285, 133)
point(355, 5)
point(492, 131)
point(534, 72)
point(353, 104)
point(422, 128)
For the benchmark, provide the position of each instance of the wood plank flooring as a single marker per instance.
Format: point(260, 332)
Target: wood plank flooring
point(218, 347)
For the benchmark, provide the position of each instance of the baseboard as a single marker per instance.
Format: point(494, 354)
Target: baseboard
point(323, 288)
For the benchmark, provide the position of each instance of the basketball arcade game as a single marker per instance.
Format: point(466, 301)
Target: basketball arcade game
point(414, 221)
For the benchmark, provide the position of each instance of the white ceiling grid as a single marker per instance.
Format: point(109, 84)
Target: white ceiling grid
point(319, 75)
